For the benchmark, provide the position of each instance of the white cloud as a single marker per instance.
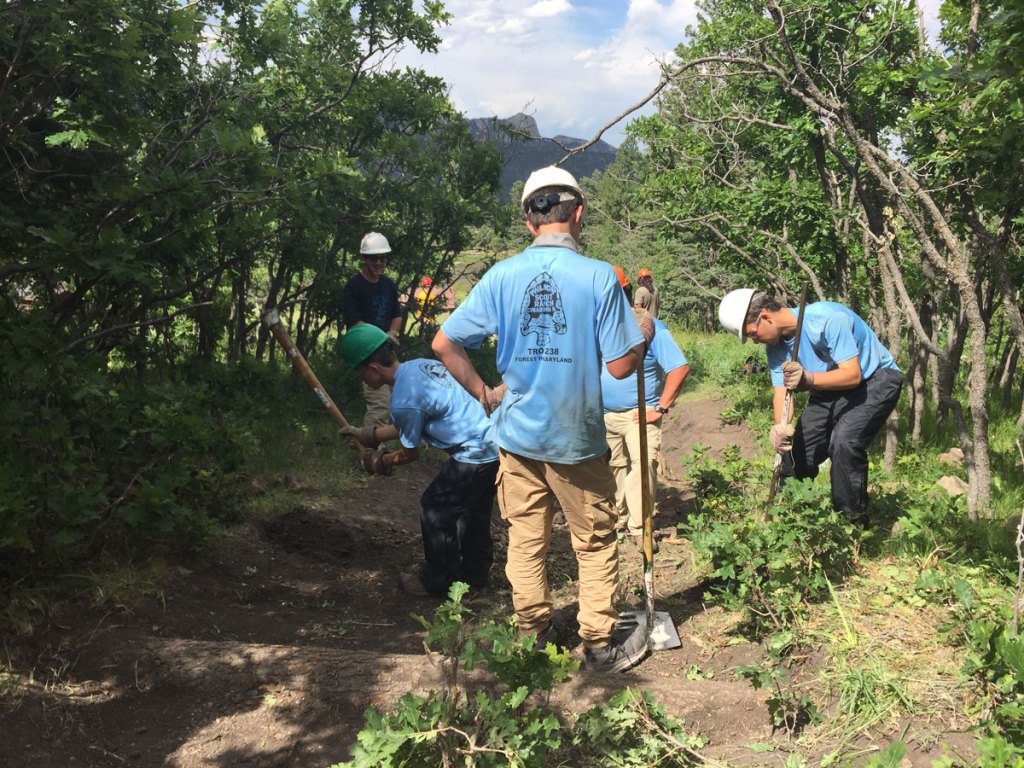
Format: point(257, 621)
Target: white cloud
point(930, 12)
point(563, 62)
point(573, 65)
point(548, 9)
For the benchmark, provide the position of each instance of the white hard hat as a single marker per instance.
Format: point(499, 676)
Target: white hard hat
point(551, 176)
point(732, 312)
point(374, 242)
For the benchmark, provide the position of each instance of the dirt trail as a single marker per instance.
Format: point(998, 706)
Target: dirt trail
point(267, 651)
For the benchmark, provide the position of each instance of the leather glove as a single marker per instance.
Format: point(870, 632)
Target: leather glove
point(795, 378)
point(373, 462)
point(646, 323)
point(490, 399)
point(365, 435)
point(782, 437)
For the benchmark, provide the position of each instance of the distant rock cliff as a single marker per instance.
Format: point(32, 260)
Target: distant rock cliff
point(524, 150)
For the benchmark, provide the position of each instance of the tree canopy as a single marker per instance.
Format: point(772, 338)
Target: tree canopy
point(169, 172)
point(831, 143)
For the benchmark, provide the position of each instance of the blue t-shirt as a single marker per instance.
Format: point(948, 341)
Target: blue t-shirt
point(831, 335)
point(428, 404)
point(557, 315)
point(663, 356)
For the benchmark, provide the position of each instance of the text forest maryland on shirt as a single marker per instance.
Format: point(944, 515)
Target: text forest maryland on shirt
point(557, 316)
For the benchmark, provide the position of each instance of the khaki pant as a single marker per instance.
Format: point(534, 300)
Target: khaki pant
point(527, 489)
point(378, 406)
point(624, 440)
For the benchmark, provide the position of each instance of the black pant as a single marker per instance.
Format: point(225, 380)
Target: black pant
point(839, 426)
point(455, 517)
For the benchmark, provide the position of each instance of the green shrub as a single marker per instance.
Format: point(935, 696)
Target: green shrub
point(980, 620)
point(770, 564)
point(91, 457)
point(633, 731)
point(456, 727)
point(451, 727)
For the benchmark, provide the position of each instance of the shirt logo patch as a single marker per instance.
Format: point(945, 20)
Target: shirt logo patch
point(438, 373)
point(542, 312)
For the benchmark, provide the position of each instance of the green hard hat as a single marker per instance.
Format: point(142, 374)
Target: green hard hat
point(360, 342)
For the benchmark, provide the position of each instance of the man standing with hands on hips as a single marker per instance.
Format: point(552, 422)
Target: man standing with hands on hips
point(559, 318)
point(665, 370)
point(853, 382)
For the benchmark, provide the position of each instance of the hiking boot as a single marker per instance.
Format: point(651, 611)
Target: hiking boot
point(412, 584)
point(618, 656)
point(549, 635)
point(481, 594)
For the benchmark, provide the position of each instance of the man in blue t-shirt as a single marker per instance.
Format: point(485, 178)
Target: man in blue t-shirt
point(429, 405)
point(372, 297)
point(559, 318)
point(853, 381)
point(665, 370)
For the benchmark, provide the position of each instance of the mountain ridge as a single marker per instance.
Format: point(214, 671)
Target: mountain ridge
point(524, 150)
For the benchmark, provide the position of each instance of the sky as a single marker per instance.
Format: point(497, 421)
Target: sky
point(599, 58)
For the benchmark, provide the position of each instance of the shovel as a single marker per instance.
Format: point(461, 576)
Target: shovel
point(280, 333)
point(661, 631)
point(787, 404)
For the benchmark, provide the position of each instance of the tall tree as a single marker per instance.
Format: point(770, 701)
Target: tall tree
point(790, 139)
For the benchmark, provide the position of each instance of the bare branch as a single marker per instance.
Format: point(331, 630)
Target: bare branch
point(140, 324)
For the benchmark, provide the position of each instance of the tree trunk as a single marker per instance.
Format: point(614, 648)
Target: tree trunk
point(946, 375)
point(1007, 377)
point(277, 281)
point(916, 380)
point(891, 334)
point(238, 340)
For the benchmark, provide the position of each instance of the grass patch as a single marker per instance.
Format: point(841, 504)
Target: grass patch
point(885, 657)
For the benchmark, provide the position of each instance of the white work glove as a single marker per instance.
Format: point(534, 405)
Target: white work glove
point(365, 435)
point(795, 378)
point(781, 436)
point(490, 399)
point(646, 323)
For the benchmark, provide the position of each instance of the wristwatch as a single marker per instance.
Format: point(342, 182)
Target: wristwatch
point(660, 409)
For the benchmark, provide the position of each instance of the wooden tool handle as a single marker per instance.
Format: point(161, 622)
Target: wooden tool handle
point(787, 404)
point(280, 333)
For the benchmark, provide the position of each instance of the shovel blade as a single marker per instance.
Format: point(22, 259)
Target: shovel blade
point(663, 634)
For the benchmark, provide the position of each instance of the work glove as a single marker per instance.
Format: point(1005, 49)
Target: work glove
point(795, 378)
point(646, 323)
point(393, 335)
point(490, 399)
point(373, 462)
point(365, 435)
point(782, 437)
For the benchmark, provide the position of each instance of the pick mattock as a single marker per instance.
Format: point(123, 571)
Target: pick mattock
point(787, 404)
point(661, 631)
point(276, 327)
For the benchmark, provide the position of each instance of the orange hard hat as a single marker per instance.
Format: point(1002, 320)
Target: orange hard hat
point(426, 281)
point(643, 273)
point(623, 280)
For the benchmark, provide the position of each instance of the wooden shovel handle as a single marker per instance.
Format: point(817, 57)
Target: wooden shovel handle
point(787, 404)
point(272, 319)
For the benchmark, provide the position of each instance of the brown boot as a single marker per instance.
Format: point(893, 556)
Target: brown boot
point(411, 584)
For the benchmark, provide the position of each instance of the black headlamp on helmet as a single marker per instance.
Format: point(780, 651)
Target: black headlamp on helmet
point(544, 202)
